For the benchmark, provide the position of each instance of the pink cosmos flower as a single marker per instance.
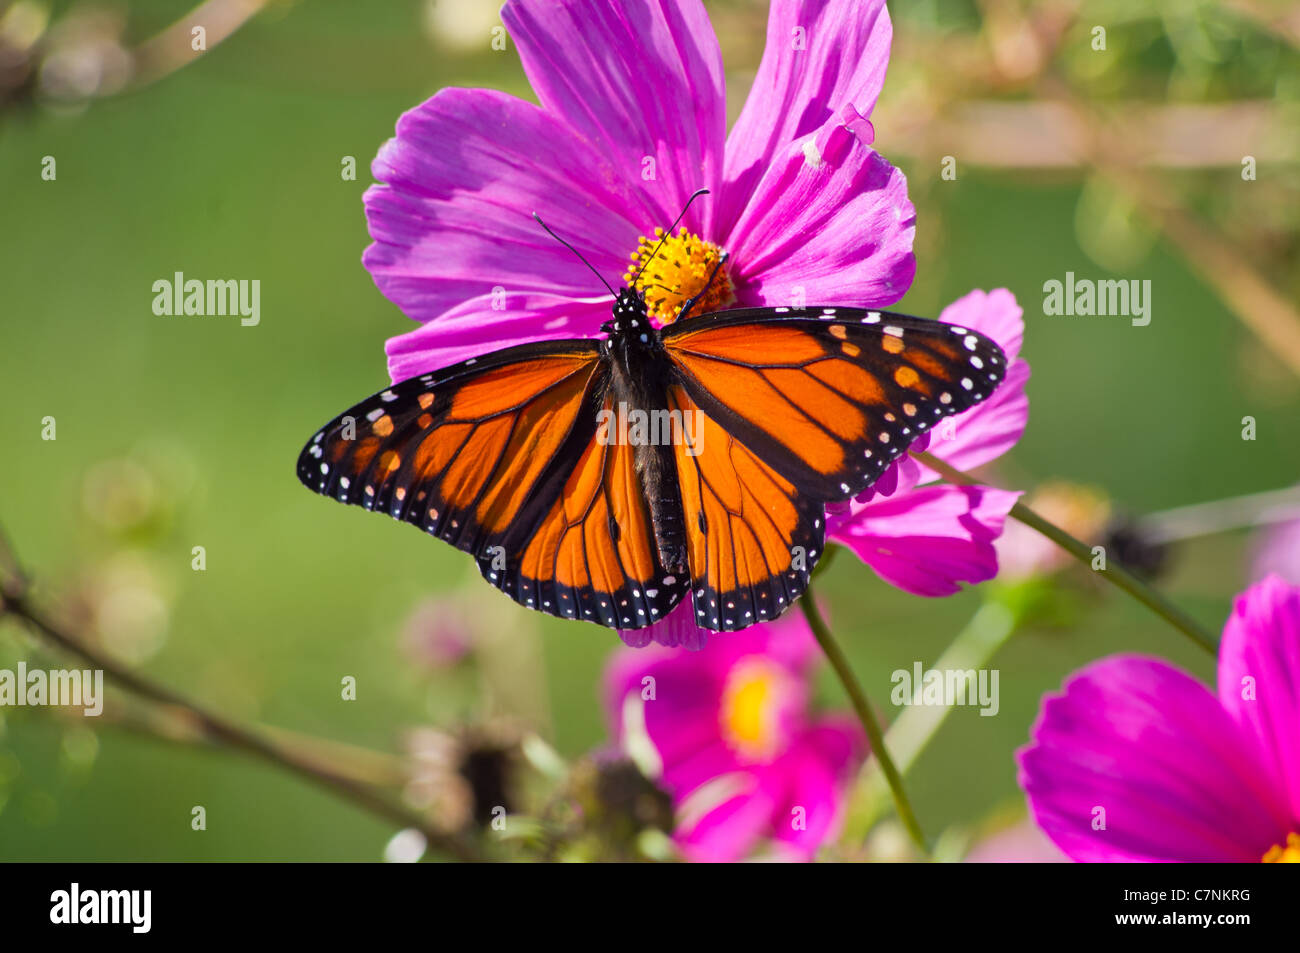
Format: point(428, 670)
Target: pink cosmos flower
point(631, 121)
point(729, 732)
point(1137, 761)
point(438, 634)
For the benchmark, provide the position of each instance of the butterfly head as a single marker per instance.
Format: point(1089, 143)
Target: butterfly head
point(630, 315)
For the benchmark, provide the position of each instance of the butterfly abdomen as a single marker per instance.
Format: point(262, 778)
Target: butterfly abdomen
point(638, 389)
point(666, 510)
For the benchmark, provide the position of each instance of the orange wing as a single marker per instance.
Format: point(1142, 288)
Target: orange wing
point(593, 556)
point(829, 402)
point(797, 412)
point(498, 456)
point(752, 538)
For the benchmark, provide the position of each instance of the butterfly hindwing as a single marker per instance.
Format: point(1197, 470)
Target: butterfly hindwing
point(831, 399)
point(752, 538)
point(593, 555)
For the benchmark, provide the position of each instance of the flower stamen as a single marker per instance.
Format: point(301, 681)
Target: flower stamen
point(756, 706)
point(677, 272)
point(1290, 854)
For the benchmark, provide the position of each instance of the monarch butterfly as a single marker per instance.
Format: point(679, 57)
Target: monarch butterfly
point(604, 479)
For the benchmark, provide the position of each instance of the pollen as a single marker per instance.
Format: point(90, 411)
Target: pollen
point(677, 271)
point(756, 708)
point(1290, 854)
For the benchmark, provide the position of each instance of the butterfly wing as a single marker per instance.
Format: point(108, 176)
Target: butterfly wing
point(752, 537)
point(593, 556)
point(830, 401)
point(498, 456)
point(797, 412)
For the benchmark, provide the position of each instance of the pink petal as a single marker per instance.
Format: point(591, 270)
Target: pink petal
point(682, 717)
point(930, 540)
point(1259, 680)
point(830, 222)
point(452, 217)
point(988, 430)
point(842, 62)
point(676, 629)
point(984, 432)
point(1152, 747)
point(994, 314)
point(640, 80)
point(730, 831)
point(817, 776)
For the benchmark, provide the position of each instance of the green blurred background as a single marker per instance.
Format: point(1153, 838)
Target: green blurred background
point(176, 432)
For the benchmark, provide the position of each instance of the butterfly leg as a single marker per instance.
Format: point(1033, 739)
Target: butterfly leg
point(690, 302)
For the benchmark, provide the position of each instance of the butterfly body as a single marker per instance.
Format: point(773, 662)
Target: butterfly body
point(609, 479)
point(639, 373)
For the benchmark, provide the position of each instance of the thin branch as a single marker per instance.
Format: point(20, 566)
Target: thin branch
point(1114, 572)
point(1221, 516)
point(169, 50)
point(223, 730)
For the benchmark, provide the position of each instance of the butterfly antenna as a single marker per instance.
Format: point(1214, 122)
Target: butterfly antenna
point(685, 208)
point(576, 252)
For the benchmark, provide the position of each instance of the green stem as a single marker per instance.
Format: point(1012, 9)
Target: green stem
point(822, 632)
point(910, 733)
point(1114, 572)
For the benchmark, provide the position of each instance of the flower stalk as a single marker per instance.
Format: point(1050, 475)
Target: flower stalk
point(862, 707)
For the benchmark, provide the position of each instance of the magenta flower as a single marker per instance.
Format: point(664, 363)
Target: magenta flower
point(927, 537)
point(631, 122)
point(729, 732)
point(1137, 761)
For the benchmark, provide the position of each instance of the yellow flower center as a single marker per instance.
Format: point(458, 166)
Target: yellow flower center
point(1290, 854)
point(678, 271)
point(752, 704)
